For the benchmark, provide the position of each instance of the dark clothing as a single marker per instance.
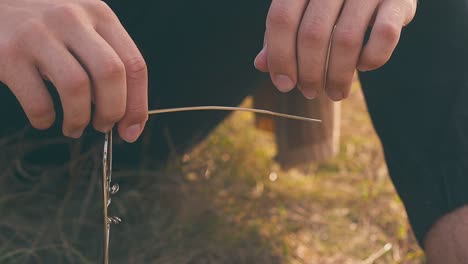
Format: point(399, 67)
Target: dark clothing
point(201, 53)
point(419, 106)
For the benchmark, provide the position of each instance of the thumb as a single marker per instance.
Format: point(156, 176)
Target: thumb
point(261, 61)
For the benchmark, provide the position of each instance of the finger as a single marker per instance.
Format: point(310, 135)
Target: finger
point(107, 72)
point(136, 114)
point(261, 61)
point(392, 15)
point(58, 65)
point(282, 26)
point(313, 45)
point(346, 46)
point(71, 81)
point(28, 87)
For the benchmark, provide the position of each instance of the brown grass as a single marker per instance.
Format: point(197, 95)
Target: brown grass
point(224, 202)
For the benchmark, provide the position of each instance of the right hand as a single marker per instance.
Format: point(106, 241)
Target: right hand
point(318, 44)
point(82, 48)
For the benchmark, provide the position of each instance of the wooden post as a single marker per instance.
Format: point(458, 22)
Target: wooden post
point(300, 143)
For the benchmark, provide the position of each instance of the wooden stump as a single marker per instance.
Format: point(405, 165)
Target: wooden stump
point(300, 143)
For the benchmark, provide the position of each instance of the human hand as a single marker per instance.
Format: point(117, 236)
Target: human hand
point(82, 48)
point(300, 32)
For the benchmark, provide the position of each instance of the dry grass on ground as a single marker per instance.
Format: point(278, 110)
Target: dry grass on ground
point(225, 202)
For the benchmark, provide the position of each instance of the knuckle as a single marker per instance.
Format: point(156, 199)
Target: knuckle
point(310, 80)
point(388, 32)
point(280, 15)
point(312, 32)
point(280, 61)
point(137, 112)
point(111, 68)
point(136, 68)
point(30, 29)
point(76, 83)
point(66, 11)
point(347, 39)
point(112, 115)
point(101, 9)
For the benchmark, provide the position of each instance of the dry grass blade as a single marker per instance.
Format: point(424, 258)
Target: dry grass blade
point(372, 258)
point(229, 108)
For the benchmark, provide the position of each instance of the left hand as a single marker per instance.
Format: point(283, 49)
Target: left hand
point(299, 33)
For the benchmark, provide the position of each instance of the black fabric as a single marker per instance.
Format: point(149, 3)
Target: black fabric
point(419, 105)
point(198, 53)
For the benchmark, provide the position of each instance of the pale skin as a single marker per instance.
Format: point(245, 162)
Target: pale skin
point(298, 35)
point(82, 48)
point(447, 241)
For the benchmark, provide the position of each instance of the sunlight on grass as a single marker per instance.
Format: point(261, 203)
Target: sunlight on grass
point(226, 201)
point(338, 212)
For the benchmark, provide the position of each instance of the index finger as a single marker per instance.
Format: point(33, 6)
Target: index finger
point(136, 115)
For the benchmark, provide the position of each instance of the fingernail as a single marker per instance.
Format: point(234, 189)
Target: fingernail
point(310, 93)
point(132, 133)
point(335, 94)
point(284, 83)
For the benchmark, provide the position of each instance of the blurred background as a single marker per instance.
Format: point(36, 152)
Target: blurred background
point(254, 191)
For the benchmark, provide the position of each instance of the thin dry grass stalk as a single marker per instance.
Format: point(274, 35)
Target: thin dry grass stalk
point(229, 108)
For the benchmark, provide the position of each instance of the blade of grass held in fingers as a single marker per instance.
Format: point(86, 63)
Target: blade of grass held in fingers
point(229, 108)
point(109, 188)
